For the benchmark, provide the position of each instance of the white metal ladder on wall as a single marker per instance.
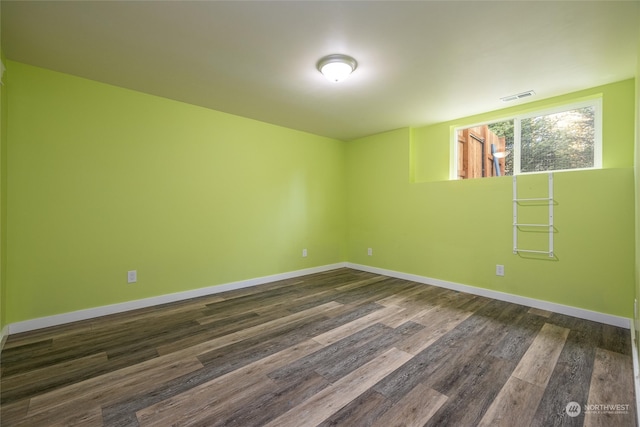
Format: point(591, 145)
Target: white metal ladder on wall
point(517, 225)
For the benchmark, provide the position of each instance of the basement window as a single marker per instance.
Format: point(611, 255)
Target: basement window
point(559, 139)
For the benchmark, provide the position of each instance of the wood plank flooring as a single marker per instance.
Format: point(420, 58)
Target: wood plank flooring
point(344, 347)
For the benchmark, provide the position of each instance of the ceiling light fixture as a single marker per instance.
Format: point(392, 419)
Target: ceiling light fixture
point(337, 67)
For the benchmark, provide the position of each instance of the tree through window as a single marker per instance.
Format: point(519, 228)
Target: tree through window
point(558, 141)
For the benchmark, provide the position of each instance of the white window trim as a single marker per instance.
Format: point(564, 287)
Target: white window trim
point(597, 149)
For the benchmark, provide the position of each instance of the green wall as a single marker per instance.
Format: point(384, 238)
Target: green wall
point(3, 204)
point(637, 186)
point(103, 180)
point(3, 201)
point(402, 205)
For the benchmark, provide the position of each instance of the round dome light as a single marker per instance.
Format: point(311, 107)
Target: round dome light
point(337, 67)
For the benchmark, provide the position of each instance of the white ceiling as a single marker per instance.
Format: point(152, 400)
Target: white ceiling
point(420, 62)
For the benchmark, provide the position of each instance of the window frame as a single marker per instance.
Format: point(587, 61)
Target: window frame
point(596, 103)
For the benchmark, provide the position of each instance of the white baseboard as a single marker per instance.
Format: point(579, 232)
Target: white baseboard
point(595, 316)
point(636, 369)
point(60, 319)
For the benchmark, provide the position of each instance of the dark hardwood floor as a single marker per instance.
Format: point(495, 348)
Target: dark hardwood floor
point(343, 347)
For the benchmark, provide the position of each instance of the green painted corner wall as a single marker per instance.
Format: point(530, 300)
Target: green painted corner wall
point(3, 204)
point(3, 200)
point(459, 230)
point(637, 185)
point(103, 180)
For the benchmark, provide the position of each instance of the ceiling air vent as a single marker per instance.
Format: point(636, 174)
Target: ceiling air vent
point(518, 96)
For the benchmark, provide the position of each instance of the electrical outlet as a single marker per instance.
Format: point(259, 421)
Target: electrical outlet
point(499, 270)
point(304, 252)
point(369, 251)
point(132, 276)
